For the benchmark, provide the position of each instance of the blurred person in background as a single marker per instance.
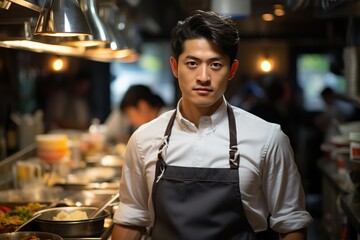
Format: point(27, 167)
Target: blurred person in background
point(335, 112)
point(138, 106)
point(273, 107)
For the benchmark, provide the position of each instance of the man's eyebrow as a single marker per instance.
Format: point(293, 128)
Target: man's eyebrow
point(192, 57)
point(196, 58)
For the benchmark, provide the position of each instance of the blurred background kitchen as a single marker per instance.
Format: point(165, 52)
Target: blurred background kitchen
point(299, 67)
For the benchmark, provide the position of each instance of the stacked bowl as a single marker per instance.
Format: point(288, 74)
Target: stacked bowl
point(52, 148)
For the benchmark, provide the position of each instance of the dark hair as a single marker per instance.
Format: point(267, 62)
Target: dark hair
point(218, 29)
point(327, 91)
point(135, 93)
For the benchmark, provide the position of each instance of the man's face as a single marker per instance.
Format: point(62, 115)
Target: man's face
point(203, 73)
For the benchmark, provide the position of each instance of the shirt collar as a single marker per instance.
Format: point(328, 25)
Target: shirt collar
point(216, 118)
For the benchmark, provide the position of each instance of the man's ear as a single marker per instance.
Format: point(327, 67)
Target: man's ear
point(174, 66)
point(234, 67)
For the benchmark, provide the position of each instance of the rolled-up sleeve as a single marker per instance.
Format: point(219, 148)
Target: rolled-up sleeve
point(134, 194)
point(282, 185)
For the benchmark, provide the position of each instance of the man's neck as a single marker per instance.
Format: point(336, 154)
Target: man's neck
point(194, 113)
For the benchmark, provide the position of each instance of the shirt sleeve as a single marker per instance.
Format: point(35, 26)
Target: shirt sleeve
point(282, 185)
point(133, 206)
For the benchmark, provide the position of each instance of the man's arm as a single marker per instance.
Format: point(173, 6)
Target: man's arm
point(295, 235)
point(122, 232)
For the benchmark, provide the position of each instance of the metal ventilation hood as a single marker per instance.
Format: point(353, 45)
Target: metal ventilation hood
point(16, 32)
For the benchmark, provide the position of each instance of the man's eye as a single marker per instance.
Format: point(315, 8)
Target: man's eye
point(191, 64)
point(216, 65)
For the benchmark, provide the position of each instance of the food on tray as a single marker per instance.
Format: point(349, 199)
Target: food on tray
point(75, 215)
point(11, 218)
point(32, 237)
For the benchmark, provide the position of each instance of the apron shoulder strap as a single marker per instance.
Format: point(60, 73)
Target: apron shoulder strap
point(167, 134)
point(233, 157)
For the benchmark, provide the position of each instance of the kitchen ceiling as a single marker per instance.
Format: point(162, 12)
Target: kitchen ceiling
point(156, 17)
point(302, 18)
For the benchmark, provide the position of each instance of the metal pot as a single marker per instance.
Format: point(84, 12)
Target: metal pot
point(24, 235)
point(72, 228)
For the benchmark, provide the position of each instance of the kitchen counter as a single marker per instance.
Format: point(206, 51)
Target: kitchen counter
point(341, 199)
point(90, 184)
point(338, 182)
point(68, 193)
point(334, 186)
point(350, 203)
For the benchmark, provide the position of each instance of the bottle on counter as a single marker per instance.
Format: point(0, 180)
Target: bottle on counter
point(354, 138)
point(96, 137)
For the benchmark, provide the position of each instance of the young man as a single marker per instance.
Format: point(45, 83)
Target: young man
point(208, 170)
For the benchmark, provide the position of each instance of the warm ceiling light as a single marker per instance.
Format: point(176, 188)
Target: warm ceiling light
point(133, 57)
point(279, 12)
point(57, 64)
point(106, 53)
point(19, 34)
point(278, 6)
point(118, 47)
point(268, 17)
point(266, 65)
point(100, 33)
point(62, 18)
point(36, 46)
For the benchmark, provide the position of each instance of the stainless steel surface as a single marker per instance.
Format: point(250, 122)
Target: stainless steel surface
point(25, 234)
point(99, 32)
point(7, 179)
point(76, 228)
point(62, 18)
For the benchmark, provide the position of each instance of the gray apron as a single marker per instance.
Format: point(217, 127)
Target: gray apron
point(199, 203)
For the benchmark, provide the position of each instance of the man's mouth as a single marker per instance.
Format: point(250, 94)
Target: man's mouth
point(202, 90)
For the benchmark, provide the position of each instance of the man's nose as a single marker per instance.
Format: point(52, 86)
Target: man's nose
point(204, 74)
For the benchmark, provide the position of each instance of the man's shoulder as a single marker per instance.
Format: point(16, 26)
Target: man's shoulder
point(251, 122)
point(243, 115)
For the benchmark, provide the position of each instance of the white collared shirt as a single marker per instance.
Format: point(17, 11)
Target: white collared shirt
point(269, 178)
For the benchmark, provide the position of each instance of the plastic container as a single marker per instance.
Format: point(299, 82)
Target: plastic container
point(354, 138)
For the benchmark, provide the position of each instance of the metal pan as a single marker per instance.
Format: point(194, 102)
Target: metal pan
point(73, 228)
point(25, 235)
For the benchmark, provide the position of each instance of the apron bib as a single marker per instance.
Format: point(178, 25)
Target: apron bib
point(199, 203)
